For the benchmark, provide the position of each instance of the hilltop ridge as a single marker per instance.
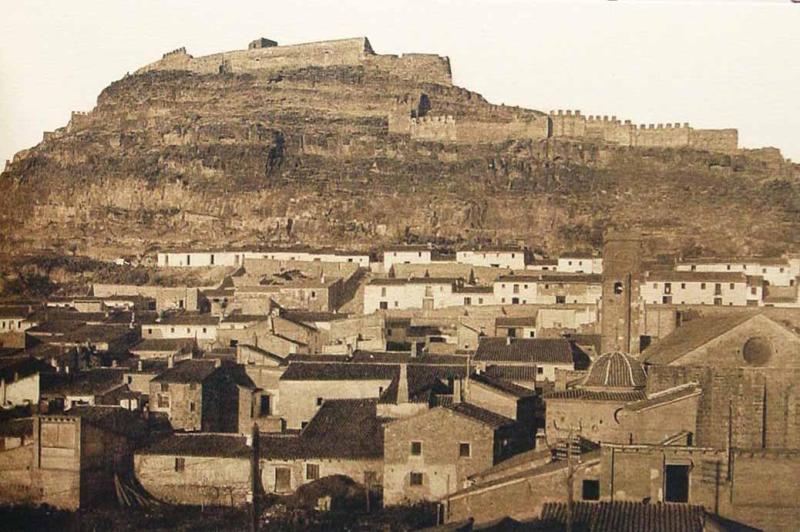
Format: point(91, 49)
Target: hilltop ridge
point(332, 143)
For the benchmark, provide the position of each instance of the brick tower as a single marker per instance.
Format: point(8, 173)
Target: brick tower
point(621, 304)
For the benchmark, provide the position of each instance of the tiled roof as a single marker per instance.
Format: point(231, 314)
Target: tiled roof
point(425, 382)
point(188, 318)
point(587, 395)
point(512, 373)
point(708, 277)
point(666, 396)
point(166, 345)
point(393, 281)
point(502, 385)
point(14, 312)
point(587, 278)
point(90, 382)
point(623, 516)
point(515, 321)
point(691, 335)
point(21, 367)
point(338, 372)
point(616, 370)
point(312, 316)
point(341, 428)
point(211, 445)
point(113, 419)
point(482, 415)
point(16, 427)
point(188, 371)
point(531, 350)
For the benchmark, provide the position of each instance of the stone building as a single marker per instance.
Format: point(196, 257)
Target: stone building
point(493, 257)
point(197, 469)
point(432, 453)
point(579, 263)
point(406, 255)
point(779, 271)
point(76, 455)
point(19, 380)
point(702, 288)
point(545, 354)
point(621, 299)
point(345, 437)
point(200, 327)
point(547, 289)
point(206, 395)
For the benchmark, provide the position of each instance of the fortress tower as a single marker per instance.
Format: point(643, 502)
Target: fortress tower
point(620, 312)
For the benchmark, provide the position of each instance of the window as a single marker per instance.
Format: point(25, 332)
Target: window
point(464, 450)
point(313, 295)
point(416, 448)
point(188, 330)
point(320, 400)
point(561, 299)
point(480, 301)
point(683, 286)
point(516, 289)
point(163, 401)
point(265, 409)
point(694, 267)
point(731, 286)
point(130, 379)
point(180, 464)
point(283, 479)
point(753, 290)
point(415, 479)
point(191, 406)
point(702, 286)
point(515, 301)
point(212, 259)
point(729, 266)
point(618, 287)
point(467, 300)
point(149, 331)
point(204, 329)
point(164, 386)
point(312, 471)
point(383, 305)
point(192, 386)
point(172, 329)
point(667, 288)
point(539, 370)
point(590, 490)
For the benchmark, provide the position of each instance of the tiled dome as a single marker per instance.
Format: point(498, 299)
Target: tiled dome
point(615, 370)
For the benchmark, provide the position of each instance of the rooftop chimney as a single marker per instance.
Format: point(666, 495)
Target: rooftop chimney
point(402, 385)
point(456, 391)
point(139, 366)
point(171, 361)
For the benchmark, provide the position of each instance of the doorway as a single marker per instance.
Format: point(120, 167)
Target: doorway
point(676, 483)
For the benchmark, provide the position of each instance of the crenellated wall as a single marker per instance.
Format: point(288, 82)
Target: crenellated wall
point(573, 124)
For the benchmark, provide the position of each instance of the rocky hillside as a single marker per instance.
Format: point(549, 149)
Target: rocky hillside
point(302, 152)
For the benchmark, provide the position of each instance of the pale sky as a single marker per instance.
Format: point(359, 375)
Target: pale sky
point(713, 64)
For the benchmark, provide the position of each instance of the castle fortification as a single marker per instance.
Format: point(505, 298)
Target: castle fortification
point(561, 124)
point(265, 55)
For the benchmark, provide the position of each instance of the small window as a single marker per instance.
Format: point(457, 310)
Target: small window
point(416, 448)
point(683, 286)
point(320, 401)
point(191, 406)
point(539, 370)
point(204, 329)
point(312, 471)
point(702, 286)
point(164, 386)
point(415, 479)
point(464, 450)
point(618, 287)
point(731, 286)
point(591, 490)
point(130, 379)
point(180, 464)
point(149, 331)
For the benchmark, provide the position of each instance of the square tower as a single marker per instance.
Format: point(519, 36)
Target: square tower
point(620, 311)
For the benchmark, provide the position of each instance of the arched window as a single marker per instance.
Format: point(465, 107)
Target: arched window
point(618, 287)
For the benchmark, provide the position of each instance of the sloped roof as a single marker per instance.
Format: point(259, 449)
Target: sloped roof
point(624, 516)
point(166, 345)
point(199, 444)
point(663, 397)
point(424, 382)
point(487, 417)
point(531, 350)
point(691, 335)
point(515, 321)
point(21, 367)
point(113, 419)
point(90, 382)
point(588, 395)
point(341, 428)
point(616, 370)
point(501, 385)
point(512, 373)
point(338, 372)
point(188, 371)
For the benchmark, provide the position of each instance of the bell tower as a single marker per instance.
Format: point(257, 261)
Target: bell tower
point(621, 303)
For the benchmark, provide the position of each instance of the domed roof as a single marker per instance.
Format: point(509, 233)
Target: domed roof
point(615, 370)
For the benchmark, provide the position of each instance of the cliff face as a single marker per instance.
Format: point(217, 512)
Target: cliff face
point(335, 145)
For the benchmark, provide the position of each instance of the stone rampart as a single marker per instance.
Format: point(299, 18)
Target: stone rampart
point(449, 129)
